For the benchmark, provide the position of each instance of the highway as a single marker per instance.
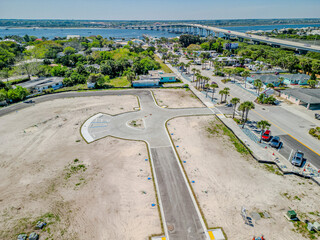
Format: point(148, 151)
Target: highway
point(253, 37)
point(256, 38)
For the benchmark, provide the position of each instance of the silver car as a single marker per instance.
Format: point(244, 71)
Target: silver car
point(297, 159)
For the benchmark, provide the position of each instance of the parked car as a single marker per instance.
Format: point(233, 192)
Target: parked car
point(266, 136)
point(317, 116)
point(297, 159)
point(275, 142)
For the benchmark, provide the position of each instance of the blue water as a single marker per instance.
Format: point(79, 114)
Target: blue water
point(124, 33)
point(106, 33)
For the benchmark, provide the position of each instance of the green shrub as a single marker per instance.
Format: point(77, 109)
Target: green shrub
point(312, 131)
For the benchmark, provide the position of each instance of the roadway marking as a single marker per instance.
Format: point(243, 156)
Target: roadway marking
point(286, 133)
point(283, 131)
point(211, 235)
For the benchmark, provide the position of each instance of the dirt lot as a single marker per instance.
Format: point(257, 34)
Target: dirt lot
point(84, 191)
point(176, 98)
point(225, 181)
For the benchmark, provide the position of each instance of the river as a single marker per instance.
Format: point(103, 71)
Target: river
point(123, 33)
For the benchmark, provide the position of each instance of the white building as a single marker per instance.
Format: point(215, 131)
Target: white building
point(40, 84)
point(73, 36)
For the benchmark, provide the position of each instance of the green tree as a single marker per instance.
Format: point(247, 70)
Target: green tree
point(245, 74)
point(312, 83)
point(17, 94)
point(221, 92)
point(213, 88)
point(258, 84)
point(248, 106)
point(263, 124)
point(69, 50)
point(270, 85)
point(226, 93)
point(234, 102)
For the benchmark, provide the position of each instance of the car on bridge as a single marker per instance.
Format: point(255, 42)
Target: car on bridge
point(317, 116)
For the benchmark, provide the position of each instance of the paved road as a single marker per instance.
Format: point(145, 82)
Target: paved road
point(253, 37)
point(284, 121)
point(182, 219)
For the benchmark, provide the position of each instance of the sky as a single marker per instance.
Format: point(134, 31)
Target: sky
point(158, 9)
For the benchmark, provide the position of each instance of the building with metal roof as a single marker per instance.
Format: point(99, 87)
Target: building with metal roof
point(40, 84)
point(303, 96)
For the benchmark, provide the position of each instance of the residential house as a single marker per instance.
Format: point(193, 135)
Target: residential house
point(40, 84)
point(296, 79)
point(154, 79)
point(265, 79)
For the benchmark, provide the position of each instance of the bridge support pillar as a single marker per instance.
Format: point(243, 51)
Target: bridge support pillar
point(240, 39)
point(256, 42)
point(227, 36)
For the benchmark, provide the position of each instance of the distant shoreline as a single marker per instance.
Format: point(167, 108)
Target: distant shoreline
point(92, 28)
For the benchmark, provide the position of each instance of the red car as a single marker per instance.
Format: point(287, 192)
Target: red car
point(266, 136)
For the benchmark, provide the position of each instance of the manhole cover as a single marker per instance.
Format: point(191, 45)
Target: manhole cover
point(170, 227)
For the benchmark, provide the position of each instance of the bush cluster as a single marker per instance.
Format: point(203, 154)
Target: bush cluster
point(315, 132)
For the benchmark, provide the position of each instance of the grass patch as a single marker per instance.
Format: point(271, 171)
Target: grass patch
point(218, 129)
point(163, 66)
point(119, 82)
point(74, 168)
point(301, 227)
point(73, 88)
point(27, 225)
point(272, 169)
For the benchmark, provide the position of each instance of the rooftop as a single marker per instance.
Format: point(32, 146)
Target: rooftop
point(306, 95)
point(40, 82)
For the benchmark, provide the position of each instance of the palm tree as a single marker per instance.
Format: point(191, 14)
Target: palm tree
point(207, 89)
point(226, 92)
point(281, 79)
point(130, 76)
point(263, 124)
point(270, 85)
point(242, 108)
point(194, 70)
point(248, 106)
point(181, 65)
point(205, 81)
point(245, 74)
point(234, 102)
point(221, 92)
point(213, 87)
point(198, 79)
point(227, 71)
point(258, 84)
point(187, 66)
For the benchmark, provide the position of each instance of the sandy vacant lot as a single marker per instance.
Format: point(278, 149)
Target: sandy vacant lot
point(176, 98)
point(84, 191)
point(225, 181)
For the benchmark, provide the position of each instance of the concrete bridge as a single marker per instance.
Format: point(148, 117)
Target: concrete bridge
point(203, 30)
